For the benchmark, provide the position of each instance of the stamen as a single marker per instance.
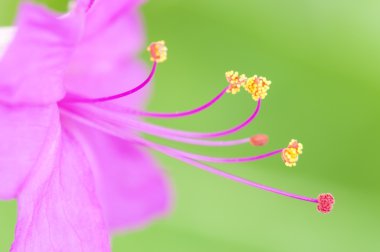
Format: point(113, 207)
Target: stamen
point(257, 87)
point(199, 142)
point(136, 112)
point(154, 130)
point(71, 98)
point(193, 141)
point(104, 118)
point(325, 202)
point(158, 51)
point(225, 174)
point(236, 81)
point(117, 133)
point(291, 153)
point(213, 159)
point(259, 140)
point(160, 129)
point(232, 77)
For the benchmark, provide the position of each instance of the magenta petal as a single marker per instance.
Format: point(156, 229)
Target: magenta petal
point(131, 188)
point(113, 24)
point(110, 79)
point(57, 208)
point(23, 131)
point(105, 61)
point(32, 68)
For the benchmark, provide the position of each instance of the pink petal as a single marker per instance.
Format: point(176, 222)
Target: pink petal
point(105, 62)
point(31, 69)
point(109, 79)
point(6, 36)
point(58, 209)
point(23, 131)
point(131, 188)
point(116, 25)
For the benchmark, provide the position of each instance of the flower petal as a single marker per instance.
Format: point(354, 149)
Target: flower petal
point(57, 207)
point(32, 67)
point(131, 188)
point(113, 24)
point(23, 131)
point(109, 79)
point(105, 62)
point(6, 36)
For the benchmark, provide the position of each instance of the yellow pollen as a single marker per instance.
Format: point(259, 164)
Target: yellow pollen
point(236, 81)
point(158, 51)
point(257, 87)
point(290, 154)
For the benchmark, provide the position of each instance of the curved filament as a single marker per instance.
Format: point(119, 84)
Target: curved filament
point(115, 132)
point(225, 174)
point(163, 115)
point(155, 129)
point(78, 99)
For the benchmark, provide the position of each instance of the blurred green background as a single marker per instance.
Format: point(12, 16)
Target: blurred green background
point(323, 58)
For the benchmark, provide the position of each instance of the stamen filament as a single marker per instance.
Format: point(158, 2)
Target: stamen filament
point(155, 129)
point(168, 115)
point(160, 130)
point(201, 142)
point(115, 132)
point(186, 140)
point(147, 129)
point(226, 175)
point(78, 99)
point(214, 159)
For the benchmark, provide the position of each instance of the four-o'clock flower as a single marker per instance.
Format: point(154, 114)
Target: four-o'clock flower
point(71, 154)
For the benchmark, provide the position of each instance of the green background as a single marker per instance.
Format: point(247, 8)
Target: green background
point(323, 58)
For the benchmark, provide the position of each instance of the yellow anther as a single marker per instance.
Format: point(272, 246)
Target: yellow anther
point(236, 81)
point(257, 87)
point(158, 51)
point(290, 154)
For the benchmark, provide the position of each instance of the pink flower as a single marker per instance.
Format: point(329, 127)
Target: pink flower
point(70, 145)
point(73, 183)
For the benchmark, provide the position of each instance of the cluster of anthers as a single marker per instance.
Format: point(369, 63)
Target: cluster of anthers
point(256, 86)
point(158, 51)
point(290, 154)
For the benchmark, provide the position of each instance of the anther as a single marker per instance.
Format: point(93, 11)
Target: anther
point(236, 81)
point(257, 87)
point(158, 51)
point(290, 154)
point(325, 202)
point(259, 140)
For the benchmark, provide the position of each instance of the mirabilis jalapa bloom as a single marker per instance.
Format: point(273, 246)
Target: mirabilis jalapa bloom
point(70, 149)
